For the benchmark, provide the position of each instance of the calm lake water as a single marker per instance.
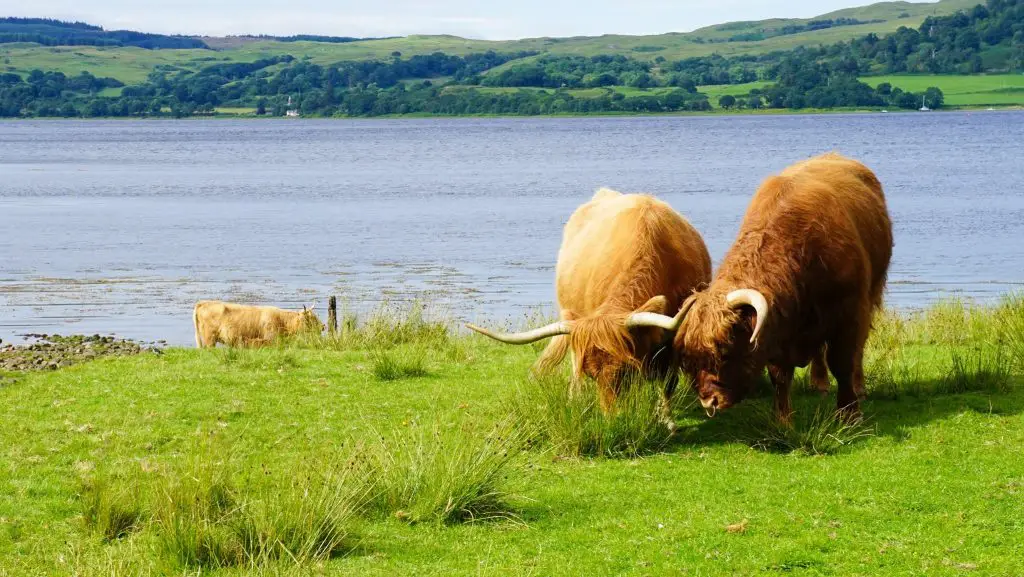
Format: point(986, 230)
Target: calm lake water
point(118, 227)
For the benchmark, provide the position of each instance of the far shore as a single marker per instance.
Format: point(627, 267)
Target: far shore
point(716, 112)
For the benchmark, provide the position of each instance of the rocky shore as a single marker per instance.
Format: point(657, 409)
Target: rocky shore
point(52, 352)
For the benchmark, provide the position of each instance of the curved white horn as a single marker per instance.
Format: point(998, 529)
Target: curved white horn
point(752, 298)
point(668, 323)
point(527, 337)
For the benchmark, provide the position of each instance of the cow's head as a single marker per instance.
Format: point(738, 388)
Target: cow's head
point(309, 320)
point(717, 345)
point(605, 346)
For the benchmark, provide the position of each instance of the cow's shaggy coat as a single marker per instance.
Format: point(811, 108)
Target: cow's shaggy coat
point(244, 325)
point(816, 243)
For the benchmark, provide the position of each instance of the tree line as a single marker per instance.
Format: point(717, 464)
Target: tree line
point(49, 32)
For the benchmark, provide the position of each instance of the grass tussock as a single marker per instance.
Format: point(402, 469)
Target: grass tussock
point(386, 328)
point(977, 369)
point(200, 517)
point(398, 363)
point(447, 472)
point(823, 431)
point(1010, 314)
point(954, 346)
point(574, 424)
point(204, 521)
point(111, 510)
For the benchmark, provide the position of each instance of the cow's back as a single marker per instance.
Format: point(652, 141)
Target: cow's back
point(236, 324)
point(856, 189)
point(630, 247)
point(829, 214)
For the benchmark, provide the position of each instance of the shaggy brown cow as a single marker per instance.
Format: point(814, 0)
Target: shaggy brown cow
point(801, 282)
point(244, 325)
point(624, 260)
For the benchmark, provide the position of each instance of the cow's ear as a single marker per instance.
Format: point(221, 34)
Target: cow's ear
point(658, 304)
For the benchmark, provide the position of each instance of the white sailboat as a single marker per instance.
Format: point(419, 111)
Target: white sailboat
point(923, 108)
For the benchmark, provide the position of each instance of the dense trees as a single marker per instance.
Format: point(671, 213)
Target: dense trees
point(50, 32)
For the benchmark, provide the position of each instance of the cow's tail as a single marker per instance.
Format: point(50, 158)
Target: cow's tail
point(195, 321)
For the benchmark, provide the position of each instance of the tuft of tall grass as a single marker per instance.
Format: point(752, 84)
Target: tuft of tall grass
point(977, 369)
point(111, 510)
point(575, 425)
point(203, 520)
point(821, 432)
point(398, 363)
point(1010, 314)
point(954, 346)
point(191, 515)
point(387, 327)
point(307, 521)
point(448, 472)
point(890, 371)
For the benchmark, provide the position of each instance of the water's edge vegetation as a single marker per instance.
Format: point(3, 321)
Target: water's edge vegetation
point(400, 442)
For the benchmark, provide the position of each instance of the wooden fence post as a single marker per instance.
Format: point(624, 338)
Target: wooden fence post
point(332, 315)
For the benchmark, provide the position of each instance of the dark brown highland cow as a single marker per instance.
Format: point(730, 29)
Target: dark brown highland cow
point(802, 281)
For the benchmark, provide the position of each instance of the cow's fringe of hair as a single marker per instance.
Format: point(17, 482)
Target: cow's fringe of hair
point(552, 355)
point(607, 333)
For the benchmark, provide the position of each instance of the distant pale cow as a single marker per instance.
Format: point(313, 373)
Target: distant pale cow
point(244, 325)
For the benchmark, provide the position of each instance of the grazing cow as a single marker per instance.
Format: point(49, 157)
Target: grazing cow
point(245, 325)
point(623, 258)
point(801, 282)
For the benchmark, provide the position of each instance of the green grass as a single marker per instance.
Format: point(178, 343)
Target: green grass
point(574, 425)
point(977, 90)
point(129, 65)
point(235, 110)
point(737, 90)
point(256, 460)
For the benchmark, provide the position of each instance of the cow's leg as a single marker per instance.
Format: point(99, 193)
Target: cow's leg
point(209, 338)
point(782, 379)
point(844, 356)
point(819, 372)
point(858, 372)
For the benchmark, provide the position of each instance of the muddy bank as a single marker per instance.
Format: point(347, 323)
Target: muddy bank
point(52, 352)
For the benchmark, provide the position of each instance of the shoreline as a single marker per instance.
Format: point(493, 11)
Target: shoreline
point(421, 116)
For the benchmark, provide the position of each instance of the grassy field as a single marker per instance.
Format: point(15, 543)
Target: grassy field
point(402, 448)
point(986, 90)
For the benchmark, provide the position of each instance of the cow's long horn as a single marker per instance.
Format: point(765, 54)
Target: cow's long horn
point(752, 298)
point(666, 322)
point(527, 337)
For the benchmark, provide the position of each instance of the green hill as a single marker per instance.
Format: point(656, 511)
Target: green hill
point(133, 65)
point(779, 64)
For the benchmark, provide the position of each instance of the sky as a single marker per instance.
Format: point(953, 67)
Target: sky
point(482, 19)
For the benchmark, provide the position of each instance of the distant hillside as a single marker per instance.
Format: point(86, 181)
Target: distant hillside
point(122, 59)
point(890, 14)
point(453, 76)
point(50, 32)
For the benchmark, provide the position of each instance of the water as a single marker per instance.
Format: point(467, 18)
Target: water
point(118, 227)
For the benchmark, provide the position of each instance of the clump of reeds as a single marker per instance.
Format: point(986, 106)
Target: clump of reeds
point(446, 472)
point(574, 424)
